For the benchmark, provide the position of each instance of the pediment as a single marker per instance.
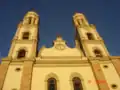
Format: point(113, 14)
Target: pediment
point(59, 48)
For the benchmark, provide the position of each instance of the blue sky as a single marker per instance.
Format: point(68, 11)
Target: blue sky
point(56, 18)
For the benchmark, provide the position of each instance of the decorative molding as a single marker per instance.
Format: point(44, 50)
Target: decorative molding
point(51, 75)
point(60, 47)
point(23, 59)
point(31, 13)
point(16, 63)
point(115, 57)
point(105, 62)
point(61, 62)
point(62, 65)
point(54, 76)
point(24, 41)
point(63, 57)
point(91, 41)
point(59, 43)
point(76, 74)
point(7, 59)
point(104, 58)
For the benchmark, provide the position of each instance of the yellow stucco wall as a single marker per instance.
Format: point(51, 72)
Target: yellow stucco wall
point(58, 61)
point(13, 78)
point(55, 52)
point(63, 74)
point(111, 75)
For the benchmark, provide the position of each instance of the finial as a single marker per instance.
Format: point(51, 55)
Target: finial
point(32, 9)
point(75, 13)
point(59, 36)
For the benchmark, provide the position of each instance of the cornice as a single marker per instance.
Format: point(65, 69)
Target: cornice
point(105, 62)
point(29, 26)
point(62, 65)
point(24, 41)
point(77, 15)
point(23, 59)
point(115, 57)
point(61, 61)
point(104, 58)
point(31, 13)
point(61, 58)
point(16, 63)
point(7, 59)
point(92, 41)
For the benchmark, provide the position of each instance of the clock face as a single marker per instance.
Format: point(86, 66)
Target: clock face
point(60, 46)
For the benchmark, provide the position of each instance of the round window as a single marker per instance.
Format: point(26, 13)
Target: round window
point(17, 69)
point(105, 66)
point(114, 86)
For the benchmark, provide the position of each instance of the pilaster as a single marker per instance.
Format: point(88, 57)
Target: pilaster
point(116, 63)
point(26, 75)
point(100, 78)
point(3, 71)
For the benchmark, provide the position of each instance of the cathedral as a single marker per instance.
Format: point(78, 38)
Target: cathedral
point(87, 66)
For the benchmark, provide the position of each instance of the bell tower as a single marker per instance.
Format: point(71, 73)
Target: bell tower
point(93, 47)
point(22, 53)
point(24, 43)
point(88, 38)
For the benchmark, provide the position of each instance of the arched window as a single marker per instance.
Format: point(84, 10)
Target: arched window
point(52, 85)
point(97, 53)
point(30, 20)
point(90, 36)
point(78, 21)
point(26, 35)
point(77, 84)
point(82, 21)
point(21, 53)
point(34, 20)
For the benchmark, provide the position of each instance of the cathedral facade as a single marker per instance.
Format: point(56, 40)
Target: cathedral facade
point(87, 66)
